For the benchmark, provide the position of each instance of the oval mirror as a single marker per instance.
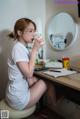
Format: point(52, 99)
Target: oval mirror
point(62, 31)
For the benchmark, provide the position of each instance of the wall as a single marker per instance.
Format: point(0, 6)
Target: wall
point(10, 11)
point(52, 9)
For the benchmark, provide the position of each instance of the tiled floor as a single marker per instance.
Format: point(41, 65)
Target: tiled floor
point(68, 109)
point(45, 114)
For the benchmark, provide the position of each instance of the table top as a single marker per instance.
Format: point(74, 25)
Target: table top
point(72, 81)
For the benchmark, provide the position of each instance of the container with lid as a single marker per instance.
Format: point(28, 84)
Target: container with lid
point(66, 62)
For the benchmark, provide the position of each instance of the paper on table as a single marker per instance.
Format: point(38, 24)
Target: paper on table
point(63, 72)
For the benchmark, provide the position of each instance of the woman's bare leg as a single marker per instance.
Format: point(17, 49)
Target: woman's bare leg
point(36, 91)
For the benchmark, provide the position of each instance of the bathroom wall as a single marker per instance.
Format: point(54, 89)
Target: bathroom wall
point(52, 9)
point(10, 11)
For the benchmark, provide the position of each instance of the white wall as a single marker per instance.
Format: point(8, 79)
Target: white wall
point(10, 11)
point(52, 9)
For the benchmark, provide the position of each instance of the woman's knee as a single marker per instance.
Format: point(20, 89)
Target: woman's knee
point(42, 84)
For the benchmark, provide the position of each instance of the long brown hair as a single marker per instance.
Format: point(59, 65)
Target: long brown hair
point(20, 25)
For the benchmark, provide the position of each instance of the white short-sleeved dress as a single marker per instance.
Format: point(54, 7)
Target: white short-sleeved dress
point(17, 92)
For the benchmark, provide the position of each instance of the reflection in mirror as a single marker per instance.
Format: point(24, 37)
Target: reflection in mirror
point(58, 41)
point(69, 38)
point(62, 31)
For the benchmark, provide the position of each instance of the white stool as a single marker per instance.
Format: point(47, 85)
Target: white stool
point(16, 114)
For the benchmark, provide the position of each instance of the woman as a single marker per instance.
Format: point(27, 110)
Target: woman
point(23, 89)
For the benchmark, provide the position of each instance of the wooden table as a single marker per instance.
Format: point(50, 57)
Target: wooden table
point(66, 85)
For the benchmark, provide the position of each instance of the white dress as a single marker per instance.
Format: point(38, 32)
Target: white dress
point(17, 92)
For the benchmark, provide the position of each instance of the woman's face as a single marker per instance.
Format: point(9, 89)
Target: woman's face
point(28, 34)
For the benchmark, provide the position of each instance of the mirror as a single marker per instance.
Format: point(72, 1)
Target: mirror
point(62, 31)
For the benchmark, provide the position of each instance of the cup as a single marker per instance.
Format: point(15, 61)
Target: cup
point(66, 62)
point(38, 36)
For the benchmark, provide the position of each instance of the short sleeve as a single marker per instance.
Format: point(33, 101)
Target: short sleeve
point(20, 54)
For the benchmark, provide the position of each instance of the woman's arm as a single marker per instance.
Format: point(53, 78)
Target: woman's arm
point(27, 68)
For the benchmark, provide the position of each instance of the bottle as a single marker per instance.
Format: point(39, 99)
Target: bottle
point(66, 62)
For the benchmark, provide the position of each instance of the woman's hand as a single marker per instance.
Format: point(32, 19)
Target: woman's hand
point(32, 81)
point(38, 42)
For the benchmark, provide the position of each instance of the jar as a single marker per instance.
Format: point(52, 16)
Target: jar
point(66, 62)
